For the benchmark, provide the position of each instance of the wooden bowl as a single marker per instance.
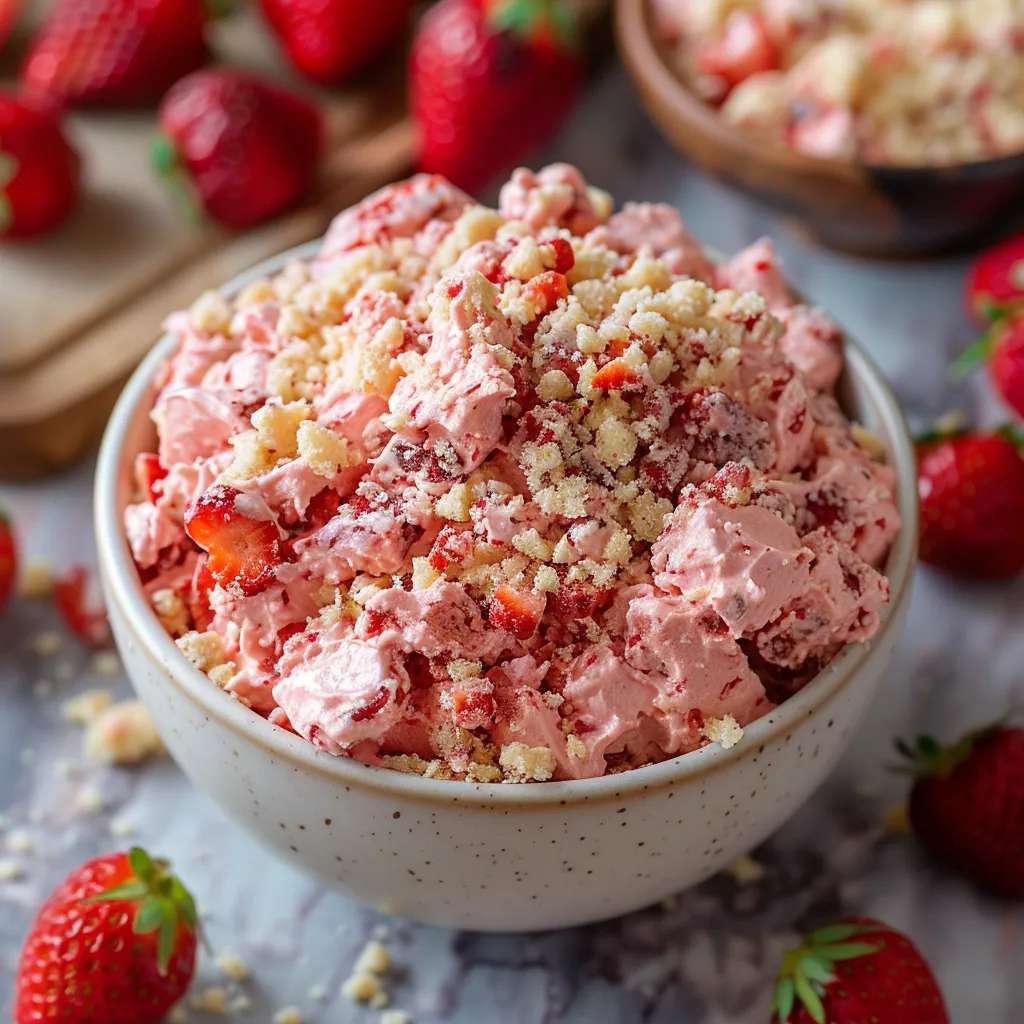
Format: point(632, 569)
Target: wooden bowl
point(876, 210)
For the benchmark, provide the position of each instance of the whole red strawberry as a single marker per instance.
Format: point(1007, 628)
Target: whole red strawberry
point(967, 805)
point(114, 52)
point(995, 281)
point(972, 504)
point(87, 622)
point(116, 942)
point(1002, 345)
point(8, 561)
point(857, 971)
point(331, 40)
point(250, 149)
point(490, 80)
point(40, 176)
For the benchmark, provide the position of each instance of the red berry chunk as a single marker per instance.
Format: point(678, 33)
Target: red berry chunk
point(545, 290)
point(744, 49)
point(565, 258)
point(70, 596)
point(148, 472)
point(517, 612)
point(615, 376)
point(995, 280)
point(244, 552)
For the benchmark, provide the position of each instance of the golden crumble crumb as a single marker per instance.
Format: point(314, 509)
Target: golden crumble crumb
point(46, 642)
point(616, 443)
point(587, 372)
point(364, 988)
point(35, 581)
point(661, 365)
point(424, 575)
point(575, 746)
point(171, 611)
point(532, 544)
point(232, 966)
point(324, 450)
point(647, 514)
point(868, 441)
point(566, 498)
point(745, 870)
point(555, 386)
point(619, 549)
point(204, 650)
point(256, 294)
point(563, 552)
point(177, 1015)
point(221, 675)
point(86, 707)
point(210, 313)
point(546, 581)
point(213, 999)
point(374, 959)
point(19, 841)
point(725, 731)
point(896, 819)
point(455, 504)
point(461, 669)
point(123, 734)
point(395, 1017)
point(288, 1015)
point(526, 764)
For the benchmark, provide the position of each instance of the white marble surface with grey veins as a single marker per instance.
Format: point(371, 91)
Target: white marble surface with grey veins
point(704, 958)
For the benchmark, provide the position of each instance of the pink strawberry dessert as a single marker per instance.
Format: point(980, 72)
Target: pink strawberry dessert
point(510, 495)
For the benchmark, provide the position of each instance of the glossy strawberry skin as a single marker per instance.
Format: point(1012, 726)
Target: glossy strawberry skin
point(516, 612)
point(244, 552)
point(482, 100)
point(972, 819)
point(893, 985)
point(249, 148)
point(114, 52)
point(9, 11)
point(8, 561)
point(40, 172)
point(972, 505)
point(995, 281)
point(331, 40)
point(71, 599)
point(83, 962)
point(1006, 362)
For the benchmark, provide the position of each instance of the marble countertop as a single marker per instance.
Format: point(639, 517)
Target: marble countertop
point(706, 957)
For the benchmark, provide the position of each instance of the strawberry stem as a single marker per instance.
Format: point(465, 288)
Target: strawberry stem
point(972, 357)
point(536, 21)
point(926, 758)
point(164, 904)
point(164, 155)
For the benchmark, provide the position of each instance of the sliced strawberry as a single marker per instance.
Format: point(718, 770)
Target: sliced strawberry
point(615, 376)
point(545, 290)
point(473, 706)
point(323, 508)
point(744, 49)
point(565, 258)
point(516, 611)
point(70, 596)
point(199, 594)
point(148, 472)
point(8, 561)
point(578, 601)
point(244, 552)
point(452, 547)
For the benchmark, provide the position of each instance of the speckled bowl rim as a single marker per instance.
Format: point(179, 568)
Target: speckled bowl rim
point(124, 591)
point(632, 22)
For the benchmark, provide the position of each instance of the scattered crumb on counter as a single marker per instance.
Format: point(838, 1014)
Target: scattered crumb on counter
point(670, 902)
point(105, 663)
point(395, 1017)
point(123, 734)
point(896, 819)
point(318, 993)
point(121, 829)
point(373, 959)
point(46, 642)
point(19, 841)
point(89, 800)
point(35, 581)
point(10, 871)
point(177, 1015)
point(725, 731)
point(213, 999)
point(289, 1015)
point(86, 707)
point(745, 870)
point(232, 966)
point(364, 985)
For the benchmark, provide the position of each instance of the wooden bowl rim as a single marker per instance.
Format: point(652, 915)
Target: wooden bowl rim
point(646, 63)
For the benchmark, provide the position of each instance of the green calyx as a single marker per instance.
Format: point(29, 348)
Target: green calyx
point(536, 21)
point(164, 904)
point(973, 356)
point(926, 758)
point(164, 156)
point(807, 970)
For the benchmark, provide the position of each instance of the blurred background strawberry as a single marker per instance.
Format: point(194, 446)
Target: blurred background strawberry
point(9, 11)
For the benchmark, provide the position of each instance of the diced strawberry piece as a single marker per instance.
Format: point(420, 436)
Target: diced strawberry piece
point(517, 612)
point(199, 595)
point(473, 706)
point(285, 633)
point(70, 597)
point(577, 601)
point(565, 258)
point(744, 49)
point(545, 290)
point(452, 547)
point(372, 708)
point(615, 376)
point(323, 507)
point(244, 552)
point(148, 473)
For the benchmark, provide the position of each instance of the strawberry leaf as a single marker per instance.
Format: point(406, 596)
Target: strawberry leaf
point(973, 356)
point(811, 1000)
point(166, 940)
point(141, 863)
point(135, 890)
point(848, 950)
point(782, 1000)
point(150, 917)
point(839, 932)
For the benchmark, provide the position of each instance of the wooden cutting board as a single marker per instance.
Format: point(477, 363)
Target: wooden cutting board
point(79, 308)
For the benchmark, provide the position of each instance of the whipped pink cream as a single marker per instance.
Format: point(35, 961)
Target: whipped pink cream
point(522, 494)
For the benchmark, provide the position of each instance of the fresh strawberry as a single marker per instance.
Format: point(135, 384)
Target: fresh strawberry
point(199, 594)
point(71, 599)
point(516, 611)
point(8, 561)
point(1002, 345)
point(614, 376)
point(331, 40)
point(148, 473)
point(40, 176)
point(114, 52)
point(967, 805)
point(244, 552)
point(995, 281)
point(9, 11)
point(857, 971)
point(116, 942)
point(490, 81)
point(546, 290)
point(248, 148)
point(972, 504)
point(744, 49)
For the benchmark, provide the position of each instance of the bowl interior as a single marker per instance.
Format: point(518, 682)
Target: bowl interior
point(864, 395)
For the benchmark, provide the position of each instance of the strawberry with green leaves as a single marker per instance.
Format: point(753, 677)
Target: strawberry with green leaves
point(856, 971)
point(1002, 348)
point(971, 487)
point(995, 281)
point(967, 805)
point(490, 81)
point(115, 943)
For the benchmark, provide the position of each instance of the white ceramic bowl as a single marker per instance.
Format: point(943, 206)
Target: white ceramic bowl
point(498, 858)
